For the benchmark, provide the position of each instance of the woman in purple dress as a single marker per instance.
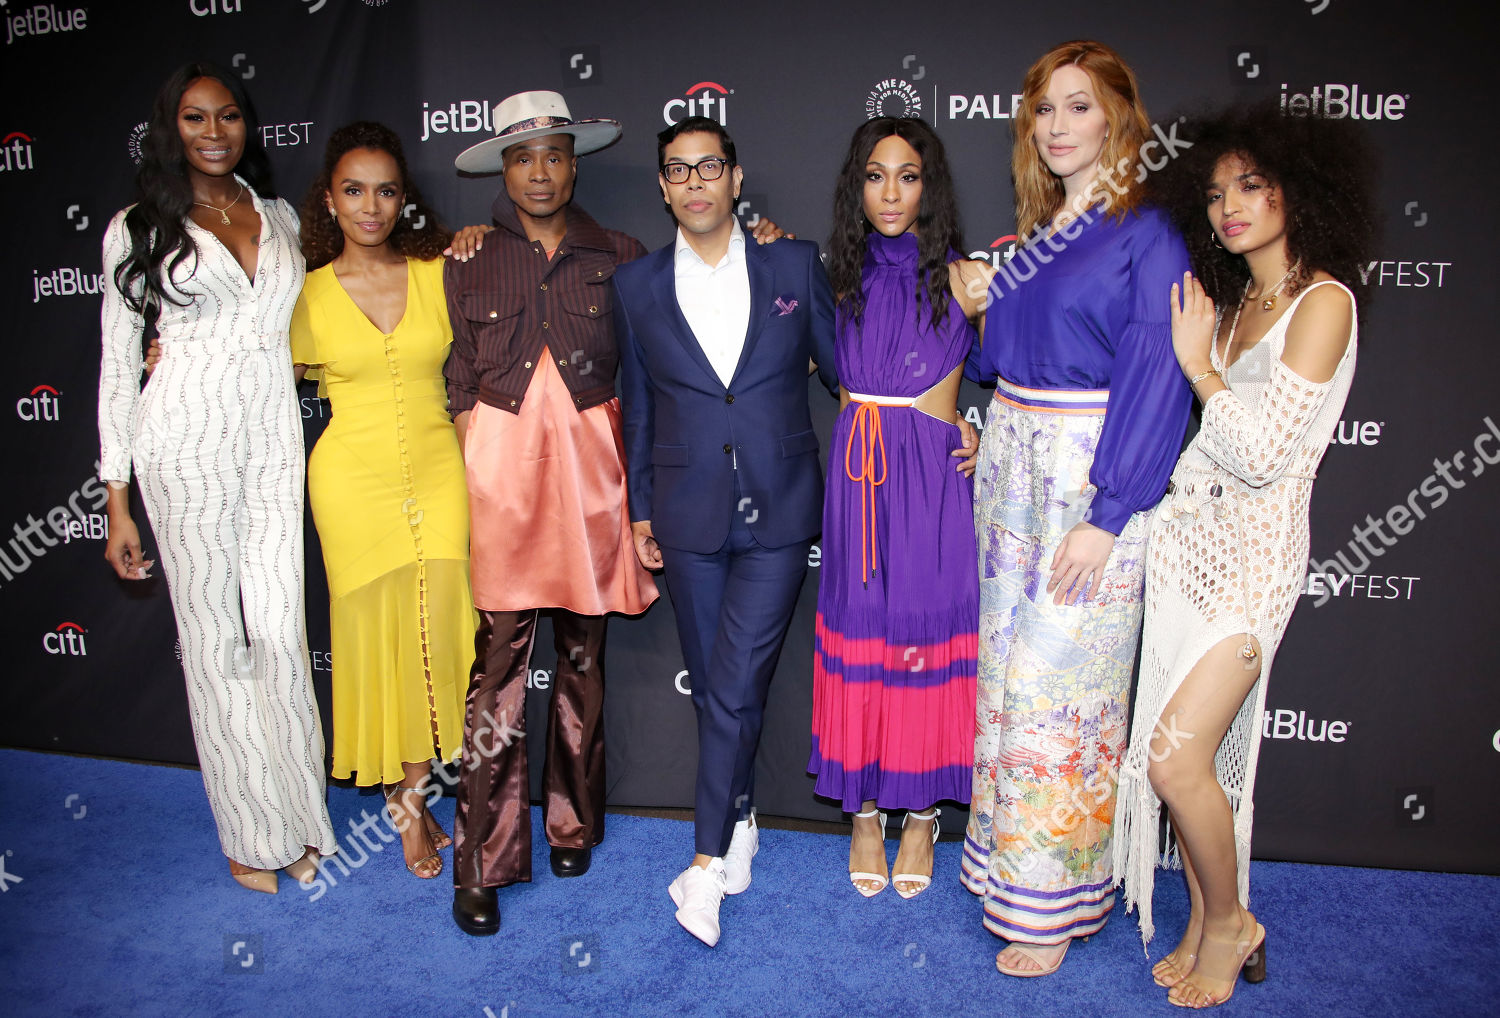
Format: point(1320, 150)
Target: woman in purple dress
point(1088, 417)
point(893, 667)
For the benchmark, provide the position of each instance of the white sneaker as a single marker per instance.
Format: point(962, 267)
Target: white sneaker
point(742, 848)
point(697, 893)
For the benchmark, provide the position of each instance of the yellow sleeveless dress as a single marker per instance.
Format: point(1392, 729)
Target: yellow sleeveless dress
point(386, 483)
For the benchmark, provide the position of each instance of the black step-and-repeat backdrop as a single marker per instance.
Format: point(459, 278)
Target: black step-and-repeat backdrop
point(1382, 727)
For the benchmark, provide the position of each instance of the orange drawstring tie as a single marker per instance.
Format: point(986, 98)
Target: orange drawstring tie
point(865, 428)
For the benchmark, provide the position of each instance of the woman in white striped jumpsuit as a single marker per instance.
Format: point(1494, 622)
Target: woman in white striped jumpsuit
point(216, 441)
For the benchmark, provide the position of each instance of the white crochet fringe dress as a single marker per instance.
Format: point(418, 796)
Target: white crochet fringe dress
point(1228, 556)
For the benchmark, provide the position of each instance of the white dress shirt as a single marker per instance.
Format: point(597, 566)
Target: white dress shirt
point(715, 300)
point(228, 312)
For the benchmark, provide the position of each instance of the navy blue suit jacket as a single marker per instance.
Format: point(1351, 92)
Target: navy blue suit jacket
point(685, 430)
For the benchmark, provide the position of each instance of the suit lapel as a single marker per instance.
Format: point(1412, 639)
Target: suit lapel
point(758, 267)
point(664, 288)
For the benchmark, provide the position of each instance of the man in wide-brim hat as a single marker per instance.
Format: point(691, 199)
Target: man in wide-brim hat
point(531, 389)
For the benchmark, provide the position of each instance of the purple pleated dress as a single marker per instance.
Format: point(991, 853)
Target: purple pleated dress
point(898, 606)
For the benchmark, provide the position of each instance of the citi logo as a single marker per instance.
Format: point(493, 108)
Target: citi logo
point(44, 19)
point(66, 639)
point(464, 117)
point(1296, 725)
point(985, 107)
point(705, 99)
point(15, 153)
point(65, 283)
point(999, 251)
point(1336, 102)
point(41, 404)
point(203, 8)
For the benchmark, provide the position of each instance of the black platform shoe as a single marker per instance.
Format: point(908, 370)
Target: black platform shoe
point(571, 862)
point(476, 910)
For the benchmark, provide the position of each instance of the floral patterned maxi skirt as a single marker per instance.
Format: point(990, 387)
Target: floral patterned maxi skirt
point(1054, 684)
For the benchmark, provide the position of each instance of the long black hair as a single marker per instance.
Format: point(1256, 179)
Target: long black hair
point(1324, 171)
point(323, 241)
point(937, 223)
point(164, 197)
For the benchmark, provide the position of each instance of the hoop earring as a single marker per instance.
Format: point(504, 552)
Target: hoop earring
point(1214, 236)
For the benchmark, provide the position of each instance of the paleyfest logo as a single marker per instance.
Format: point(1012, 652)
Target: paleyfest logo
point(893, 97)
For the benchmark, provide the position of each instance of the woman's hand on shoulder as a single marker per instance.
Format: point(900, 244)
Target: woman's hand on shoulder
point(766, 232)
point(1192, 325)
point(969, 280)
point(467, 242)
point(1318, 333)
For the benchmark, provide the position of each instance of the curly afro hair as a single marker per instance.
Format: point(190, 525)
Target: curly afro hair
point(1324, 171)
point(323, 241)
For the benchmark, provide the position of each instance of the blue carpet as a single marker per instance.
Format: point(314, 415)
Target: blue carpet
point(125, 907)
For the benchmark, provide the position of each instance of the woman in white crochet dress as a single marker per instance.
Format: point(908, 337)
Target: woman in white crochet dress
point(1266, 334)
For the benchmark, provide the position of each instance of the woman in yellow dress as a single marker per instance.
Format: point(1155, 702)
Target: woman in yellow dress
point(386, 479)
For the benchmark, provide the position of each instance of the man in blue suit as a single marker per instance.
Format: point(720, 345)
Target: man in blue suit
point(716, 337)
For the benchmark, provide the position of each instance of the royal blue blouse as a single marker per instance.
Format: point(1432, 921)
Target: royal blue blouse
point(1089, 308)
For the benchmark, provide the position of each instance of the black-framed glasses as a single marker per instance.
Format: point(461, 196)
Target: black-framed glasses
point(708, 169)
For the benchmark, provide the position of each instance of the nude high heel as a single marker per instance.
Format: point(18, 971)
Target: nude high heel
point(253, 879)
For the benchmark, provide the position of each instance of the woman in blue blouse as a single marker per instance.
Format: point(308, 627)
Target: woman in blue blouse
point(1088, 417)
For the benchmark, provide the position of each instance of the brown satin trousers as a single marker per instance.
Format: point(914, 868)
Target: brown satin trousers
point(492, 825)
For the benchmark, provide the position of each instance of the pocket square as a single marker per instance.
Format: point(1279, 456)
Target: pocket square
point(784, 306)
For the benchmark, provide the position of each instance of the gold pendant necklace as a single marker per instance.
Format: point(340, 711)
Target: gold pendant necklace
point(223, 212)
point(1269, 303)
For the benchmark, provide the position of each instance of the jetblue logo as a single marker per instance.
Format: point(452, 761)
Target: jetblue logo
point(464, 117)
point(1337, 102)
point(44, 19)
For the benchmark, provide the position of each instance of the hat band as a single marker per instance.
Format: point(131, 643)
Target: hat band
point(535, 122)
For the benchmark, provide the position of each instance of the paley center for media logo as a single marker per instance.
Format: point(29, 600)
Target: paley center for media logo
point(44, 19)
point(704, 99)
point(15, 152)
point(893, 97)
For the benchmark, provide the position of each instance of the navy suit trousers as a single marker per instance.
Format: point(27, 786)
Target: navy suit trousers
point(733, 607)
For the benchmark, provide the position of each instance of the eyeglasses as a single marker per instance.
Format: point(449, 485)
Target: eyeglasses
point(708, 169)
